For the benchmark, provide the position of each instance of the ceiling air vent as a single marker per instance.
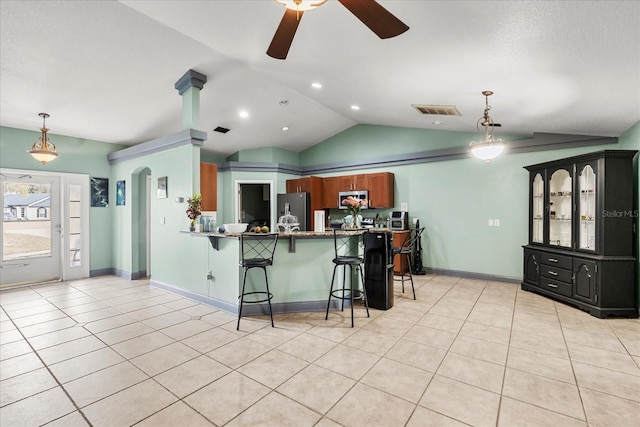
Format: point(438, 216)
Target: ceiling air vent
point(221, 129)
point(440, 110)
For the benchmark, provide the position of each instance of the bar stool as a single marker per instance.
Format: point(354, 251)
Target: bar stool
point(347, 245)
point(257, 252)
point(406, 250)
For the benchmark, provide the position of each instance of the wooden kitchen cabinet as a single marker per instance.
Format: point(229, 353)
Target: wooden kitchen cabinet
point(380, 187)
point(209, 186)
point(400, 264)
point(312, 185)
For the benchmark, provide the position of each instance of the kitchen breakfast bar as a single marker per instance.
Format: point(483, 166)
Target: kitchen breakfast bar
point(299, 279)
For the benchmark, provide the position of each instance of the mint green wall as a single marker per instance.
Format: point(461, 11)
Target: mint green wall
point(454, 199)
point(168, 250)
point(266, 155)
point(76, 155)
point(367, 141)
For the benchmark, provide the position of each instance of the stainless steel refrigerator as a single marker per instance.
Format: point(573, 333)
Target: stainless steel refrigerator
point(299, 205)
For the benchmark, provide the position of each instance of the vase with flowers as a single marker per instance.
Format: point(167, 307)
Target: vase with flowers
point(193, 211)
point(354, 207)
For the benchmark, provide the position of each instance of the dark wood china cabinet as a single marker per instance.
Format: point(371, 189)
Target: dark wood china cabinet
point(581, 232)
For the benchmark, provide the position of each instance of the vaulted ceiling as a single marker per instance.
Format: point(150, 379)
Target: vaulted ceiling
point(105, 70)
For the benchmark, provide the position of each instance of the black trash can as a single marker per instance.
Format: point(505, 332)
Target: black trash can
point(378, 269)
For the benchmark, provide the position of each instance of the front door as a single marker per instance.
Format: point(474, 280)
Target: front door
point(30, 229)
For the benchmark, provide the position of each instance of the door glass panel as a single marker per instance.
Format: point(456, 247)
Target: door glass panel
point(75, 225)
point(587, 208)
point(538, 209)
point(560, 208)
point(26, 220)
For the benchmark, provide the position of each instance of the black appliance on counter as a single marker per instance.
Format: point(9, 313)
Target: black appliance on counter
point(378, 268)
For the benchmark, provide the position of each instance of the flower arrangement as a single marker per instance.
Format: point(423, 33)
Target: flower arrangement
point(193, 211)
point(354, 205)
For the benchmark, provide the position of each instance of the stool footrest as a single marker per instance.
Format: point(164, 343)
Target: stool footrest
point(357, 294)
point(268, 298)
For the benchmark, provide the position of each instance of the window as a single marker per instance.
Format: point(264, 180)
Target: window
point(42, 212)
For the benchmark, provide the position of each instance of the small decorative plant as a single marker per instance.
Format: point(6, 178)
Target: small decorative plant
point(193, 211)
point(354, 207)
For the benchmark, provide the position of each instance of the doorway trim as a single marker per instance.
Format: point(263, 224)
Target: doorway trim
point(272, 207)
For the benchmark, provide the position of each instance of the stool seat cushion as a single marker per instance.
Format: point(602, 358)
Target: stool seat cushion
point(348, 260)
point(256, 262)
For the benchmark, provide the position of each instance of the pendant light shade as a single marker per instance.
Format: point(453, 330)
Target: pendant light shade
point(43, 150)
point(491, 147)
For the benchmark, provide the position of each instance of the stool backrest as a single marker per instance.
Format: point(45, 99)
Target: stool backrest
point(258, 246)
point(411, 243)
point(348, 242)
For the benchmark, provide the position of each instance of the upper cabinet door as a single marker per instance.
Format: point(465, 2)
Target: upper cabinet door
point(560, 207)
point(586, 205)
point(537, 208)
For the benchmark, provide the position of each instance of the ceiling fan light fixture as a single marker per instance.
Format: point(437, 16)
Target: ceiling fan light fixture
point(491, 147)
point(301, 5)
point(43, 150)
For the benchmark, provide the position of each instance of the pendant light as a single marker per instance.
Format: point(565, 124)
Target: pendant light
point(491, 147)
point(43, 150)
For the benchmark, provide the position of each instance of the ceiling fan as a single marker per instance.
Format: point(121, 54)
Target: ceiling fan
point(370, 12)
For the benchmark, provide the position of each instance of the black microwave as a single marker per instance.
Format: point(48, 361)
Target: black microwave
point(356, 194)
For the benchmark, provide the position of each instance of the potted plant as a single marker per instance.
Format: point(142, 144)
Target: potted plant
point(193, 211)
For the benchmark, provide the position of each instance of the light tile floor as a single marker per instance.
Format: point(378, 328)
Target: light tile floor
point(111, 352)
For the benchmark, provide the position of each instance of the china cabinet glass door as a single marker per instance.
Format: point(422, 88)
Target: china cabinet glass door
point(587, 208)
point(560, 208)
point(537, 230)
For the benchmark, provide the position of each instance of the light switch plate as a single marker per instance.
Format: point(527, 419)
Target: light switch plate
point(163, 220)
point(496, 223)
point(490, 223)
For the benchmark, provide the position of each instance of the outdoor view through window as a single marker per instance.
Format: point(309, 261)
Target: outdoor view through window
point(26, 220)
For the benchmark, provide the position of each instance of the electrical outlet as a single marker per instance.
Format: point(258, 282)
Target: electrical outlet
point(496, 223)
point(490, 223)
point(404, 207)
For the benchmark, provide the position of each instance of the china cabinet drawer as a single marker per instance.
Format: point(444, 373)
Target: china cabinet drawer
point(555, 260)
point(555, 286)
point(559, 274)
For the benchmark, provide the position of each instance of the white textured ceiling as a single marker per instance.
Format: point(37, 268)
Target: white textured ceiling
point(105, 70)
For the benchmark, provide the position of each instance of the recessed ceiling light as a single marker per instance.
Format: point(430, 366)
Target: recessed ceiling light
point(284, 102)
point(437, 123)
point(285, 128)
point(244, 114)
point(316, 85)
point(355, 107)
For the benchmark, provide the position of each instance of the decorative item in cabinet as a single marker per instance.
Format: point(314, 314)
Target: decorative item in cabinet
point(209, 186)
point(581, 233)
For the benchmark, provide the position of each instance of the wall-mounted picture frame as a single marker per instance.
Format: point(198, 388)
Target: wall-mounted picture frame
point(162, 187)
point(99, 192)
point(120, 193)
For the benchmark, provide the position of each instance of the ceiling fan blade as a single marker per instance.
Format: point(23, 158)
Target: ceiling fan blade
point(377, 18)
point(283, 37)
